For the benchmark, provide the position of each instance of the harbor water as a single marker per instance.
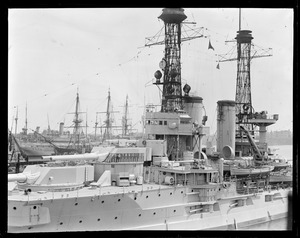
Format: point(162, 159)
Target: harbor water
point(285, 151)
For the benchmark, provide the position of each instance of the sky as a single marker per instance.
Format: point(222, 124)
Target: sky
point(55, 53)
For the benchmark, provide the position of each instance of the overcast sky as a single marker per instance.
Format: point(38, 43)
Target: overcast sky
point(54, 52)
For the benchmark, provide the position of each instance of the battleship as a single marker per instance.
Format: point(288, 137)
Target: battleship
point(162, 182)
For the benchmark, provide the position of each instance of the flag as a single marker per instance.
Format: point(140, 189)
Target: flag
point(210, 46)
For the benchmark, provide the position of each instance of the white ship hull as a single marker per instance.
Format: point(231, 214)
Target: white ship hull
point(139, 207)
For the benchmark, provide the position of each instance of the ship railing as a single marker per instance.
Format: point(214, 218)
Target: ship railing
point(266, 116)
point(126, 157)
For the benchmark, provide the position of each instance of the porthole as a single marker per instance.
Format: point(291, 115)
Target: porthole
point(116, 218)
point(134, 198)
point(147, 196)
point(164, 173)
point(29, 227)
point(34, 207)
point(181, 192)
point(140, 215)
point(119, 200)
point(15, 208)
point(80, 221)
point(98, 219)
point(171, 193)
point(102, 202)
point(159, 195)
point(154, 213)
point(76, 204)
point(174, 211)
point(61, 223)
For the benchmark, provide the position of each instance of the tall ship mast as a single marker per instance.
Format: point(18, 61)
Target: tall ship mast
point(25, 129)
point(125, 120)
point(77, 127)
point(108, 122)
point(16, 120)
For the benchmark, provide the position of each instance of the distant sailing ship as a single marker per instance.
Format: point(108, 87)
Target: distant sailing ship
point(32, 152)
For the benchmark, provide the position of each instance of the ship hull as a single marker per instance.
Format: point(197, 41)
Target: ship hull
point(152, 207)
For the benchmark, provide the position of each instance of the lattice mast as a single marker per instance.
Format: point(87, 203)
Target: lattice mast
point(173, 18)
point(243, 100)
point(245, 53)
point(172, 93)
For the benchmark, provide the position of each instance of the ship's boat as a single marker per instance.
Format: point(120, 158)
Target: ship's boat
point(282, 176)
point(238, 171)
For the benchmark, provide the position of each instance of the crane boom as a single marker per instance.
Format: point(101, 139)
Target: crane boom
point(257, 154)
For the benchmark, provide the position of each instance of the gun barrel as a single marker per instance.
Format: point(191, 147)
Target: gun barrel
point(17, 177)
point(87, 156)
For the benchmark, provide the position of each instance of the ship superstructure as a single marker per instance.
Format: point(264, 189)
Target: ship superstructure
point(246, 119)
point(164, 182)
point(180, 122)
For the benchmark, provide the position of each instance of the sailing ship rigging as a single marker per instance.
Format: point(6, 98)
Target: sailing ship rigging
point(108, 122)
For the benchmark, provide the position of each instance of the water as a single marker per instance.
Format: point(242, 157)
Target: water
point(285, 151)
point(278, 224)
